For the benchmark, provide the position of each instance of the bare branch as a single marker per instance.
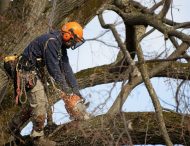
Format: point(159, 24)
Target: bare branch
point(100, 35)
point(154, 21)
point(174, 42)
point(103, 42)
point(117, 37)
point(182, 25)
point(155, 101)
point(142, 19)
point(165, 8)
point(177, 95)
point(154, 7)
point(176, 45)
point(146, 34)
point(122, 97)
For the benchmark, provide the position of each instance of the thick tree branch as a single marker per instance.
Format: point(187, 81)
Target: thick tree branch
point(181, 49)
point(106, 130)
point(153, 21)
point(182, 25)
point(101, 75)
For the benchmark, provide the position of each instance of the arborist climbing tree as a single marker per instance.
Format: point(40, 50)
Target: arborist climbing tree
point(48, 50)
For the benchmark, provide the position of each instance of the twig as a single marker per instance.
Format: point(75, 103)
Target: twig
point(103, 42)
point(146, 34)
point(146, 132)
point(154, 7)
point(177, 95)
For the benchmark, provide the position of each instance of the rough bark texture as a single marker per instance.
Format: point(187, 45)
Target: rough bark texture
point(108, 130)
point(26, 19)
point(31, 18)
point(101, 75)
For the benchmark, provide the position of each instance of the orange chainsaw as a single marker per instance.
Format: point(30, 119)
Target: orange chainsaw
point(76, 107)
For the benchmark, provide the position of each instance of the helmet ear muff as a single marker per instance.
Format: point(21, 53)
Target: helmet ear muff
point(66, 36)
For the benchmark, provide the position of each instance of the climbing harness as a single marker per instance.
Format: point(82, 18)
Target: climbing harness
point(26, 80)
point(18, 69)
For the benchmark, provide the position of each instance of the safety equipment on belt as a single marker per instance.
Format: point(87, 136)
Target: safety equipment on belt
point(73, 34)
point(75, 107)
point(10, 58)
point(19, 70)
point(10, 63)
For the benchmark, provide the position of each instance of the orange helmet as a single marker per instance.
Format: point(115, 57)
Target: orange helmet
point(70, 29)
point(72, 34)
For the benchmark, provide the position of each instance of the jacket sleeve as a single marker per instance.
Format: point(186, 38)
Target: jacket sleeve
point(53, 65)
point(68, 73)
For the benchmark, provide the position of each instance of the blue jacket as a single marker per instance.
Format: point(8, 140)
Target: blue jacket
point(51, 49)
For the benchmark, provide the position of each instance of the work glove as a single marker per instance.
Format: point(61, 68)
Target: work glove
point(83, 100)
point(76, 91)
point(75, 106)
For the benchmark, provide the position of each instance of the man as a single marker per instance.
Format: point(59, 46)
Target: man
point(51, 51)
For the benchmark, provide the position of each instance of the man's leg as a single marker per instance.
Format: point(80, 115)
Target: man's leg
point(19, 120)
point(38, 102)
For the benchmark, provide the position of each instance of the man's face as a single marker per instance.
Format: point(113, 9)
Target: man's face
point(68, 44)
point(74, 41)
point(73, 44)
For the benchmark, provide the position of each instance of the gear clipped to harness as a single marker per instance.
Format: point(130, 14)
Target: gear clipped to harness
point(10, 63)
point(23, 79)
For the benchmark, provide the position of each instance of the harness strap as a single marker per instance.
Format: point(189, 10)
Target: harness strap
point(24, 91)
point(21, 88)
point(18, 90)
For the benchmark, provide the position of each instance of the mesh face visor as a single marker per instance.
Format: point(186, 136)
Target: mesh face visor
point(76, 41)
point(76, 44)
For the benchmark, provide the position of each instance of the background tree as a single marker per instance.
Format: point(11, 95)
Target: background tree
point(24, 20)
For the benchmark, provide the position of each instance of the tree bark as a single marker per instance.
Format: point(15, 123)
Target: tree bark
point(112, 130)
point(31, 18)
point(24, 20)
point(96, 76)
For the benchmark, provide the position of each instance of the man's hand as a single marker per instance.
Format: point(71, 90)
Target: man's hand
point(75, 106)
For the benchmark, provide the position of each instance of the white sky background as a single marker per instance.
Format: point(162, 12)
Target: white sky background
point(93, 53)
